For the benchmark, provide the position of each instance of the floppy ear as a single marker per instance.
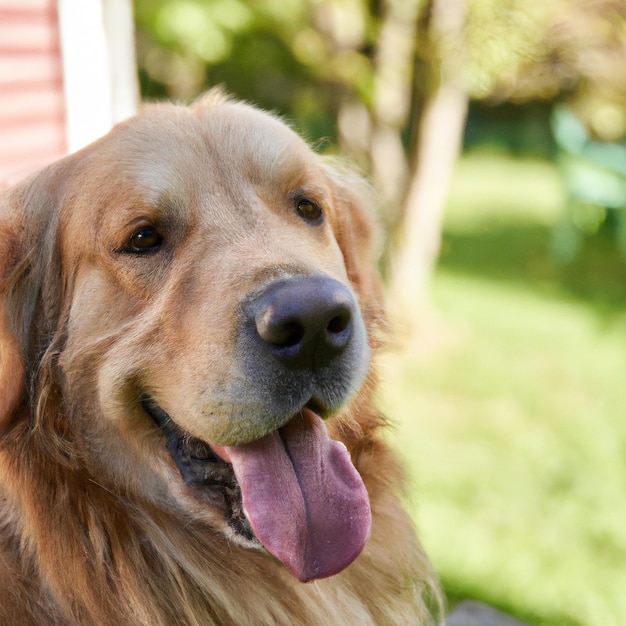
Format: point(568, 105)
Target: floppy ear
point(11, 362)
point(26, 266)
point(355, 235)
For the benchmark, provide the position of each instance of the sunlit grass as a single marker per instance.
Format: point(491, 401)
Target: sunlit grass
point(512, 420)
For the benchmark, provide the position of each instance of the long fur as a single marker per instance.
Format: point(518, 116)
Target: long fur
point(96, 525)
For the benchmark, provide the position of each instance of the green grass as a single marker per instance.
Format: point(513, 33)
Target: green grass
point(512, 417)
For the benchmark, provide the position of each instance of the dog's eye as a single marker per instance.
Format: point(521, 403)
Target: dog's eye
point(147, 239)
point(309, 211)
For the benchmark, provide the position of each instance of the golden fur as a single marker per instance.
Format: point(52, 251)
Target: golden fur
point(97, 526)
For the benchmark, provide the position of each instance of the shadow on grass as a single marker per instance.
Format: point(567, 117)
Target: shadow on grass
point(523, 254)
point(520, 255)
point(457, 591)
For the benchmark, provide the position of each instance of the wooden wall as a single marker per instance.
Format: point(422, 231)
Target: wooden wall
point(32, 109)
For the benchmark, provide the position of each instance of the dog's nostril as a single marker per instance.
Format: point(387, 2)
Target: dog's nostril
point(339, 323)
point(280, 333)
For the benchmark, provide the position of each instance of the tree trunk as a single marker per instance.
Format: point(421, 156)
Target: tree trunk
point(393, 86)
point(419, 239)
point(440, 135)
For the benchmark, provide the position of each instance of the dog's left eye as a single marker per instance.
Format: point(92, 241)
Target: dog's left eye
point(309, 210)
point(147, 239)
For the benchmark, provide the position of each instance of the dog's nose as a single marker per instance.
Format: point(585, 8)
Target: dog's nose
point(306, 321)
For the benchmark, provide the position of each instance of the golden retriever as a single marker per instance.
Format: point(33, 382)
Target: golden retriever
point(187, 424)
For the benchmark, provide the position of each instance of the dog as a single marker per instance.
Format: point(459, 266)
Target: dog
point(188, 431)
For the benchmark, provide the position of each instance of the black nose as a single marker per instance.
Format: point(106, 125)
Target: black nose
point(306, 321)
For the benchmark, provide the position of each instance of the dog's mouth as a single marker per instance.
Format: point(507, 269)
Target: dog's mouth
point(295, 490)
point(203, 470)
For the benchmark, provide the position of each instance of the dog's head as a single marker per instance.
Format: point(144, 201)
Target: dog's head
point(190, 297)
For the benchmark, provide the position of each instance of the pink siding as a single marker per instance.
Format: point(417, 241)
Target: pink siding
point(32, 124)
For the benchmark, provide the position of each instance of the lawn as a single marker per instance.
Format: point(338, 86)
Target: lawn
point(511, 417)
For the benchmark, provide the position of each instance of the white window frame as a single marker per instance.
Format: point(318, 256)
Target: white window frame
point(99, 67)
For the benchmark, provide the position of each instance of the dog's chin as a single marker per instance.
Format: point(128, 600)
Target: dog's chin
point(209, 477)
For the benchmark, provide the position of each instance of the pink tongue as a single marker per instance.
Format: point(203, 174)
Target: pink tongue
point(305, 500)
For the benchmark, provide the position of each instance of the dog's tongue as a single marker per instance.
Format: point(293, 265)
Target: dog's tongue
point(305, 500)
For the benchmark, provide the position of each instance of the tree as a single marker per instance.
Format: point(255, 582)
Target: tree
point(418, 232)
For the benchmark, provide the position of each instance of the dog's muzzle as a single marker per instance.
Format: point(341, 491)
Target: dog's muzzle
point(277, 474)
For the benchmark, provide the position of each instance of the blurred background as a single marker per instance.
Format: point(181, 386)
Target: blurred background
point(493, 131)
point(494, 135)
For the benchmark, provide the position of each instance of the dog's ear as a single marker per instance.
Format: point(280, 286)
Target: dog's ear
point(356, 236)
point(11, 361)
point(29, 285)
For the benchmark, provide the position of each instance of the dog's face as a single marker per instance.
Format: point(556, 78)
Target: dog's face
point(194, 282)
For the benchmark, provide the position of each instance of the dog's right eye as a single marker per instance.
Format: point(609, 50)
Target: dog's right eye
point(309, 211)
point(147, 239)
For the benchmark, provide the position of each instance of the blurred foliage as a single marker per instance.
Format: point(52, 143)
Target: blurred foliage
point(521, 50)
point(292, 56)
point(301, 56)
